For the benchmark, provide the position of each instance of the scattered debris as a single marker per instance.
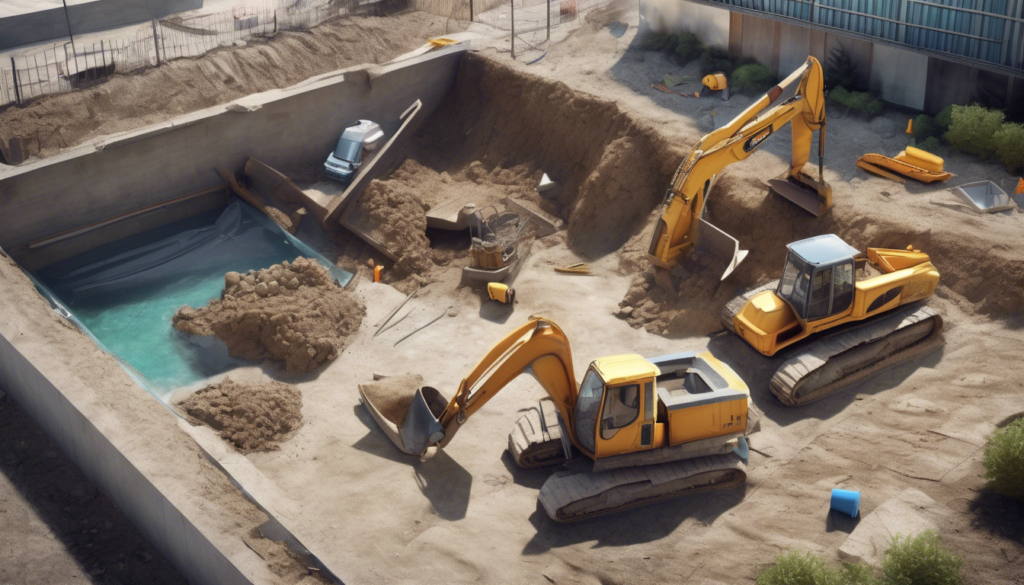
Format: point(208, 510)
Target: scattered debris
point(422, 327)
point(661, 87)
point(396, 309)
point(578, 268)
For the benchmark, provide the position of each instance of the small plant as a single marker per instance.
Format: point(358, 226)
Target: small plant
point(930, 144)
point(973, 128)
point(920, 560)
point(1004, 457)
point(795, 568)
point(1009, 144)
point(752, 78)
point(841, 70)
point(714, 60)
point(925, 126)
point(684, 46)
point(944, 118)
point(859, 101)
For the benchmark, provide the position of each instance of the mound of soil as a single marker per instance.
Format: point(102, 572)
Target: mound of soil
point(253, 417)
point(290, 312)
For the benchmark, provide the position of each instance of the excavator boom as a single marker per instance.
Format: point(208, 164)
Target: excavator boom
point(681, 228)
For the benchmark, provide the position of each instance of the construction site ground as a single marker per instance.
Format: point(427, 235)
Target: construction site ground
point(586, 115)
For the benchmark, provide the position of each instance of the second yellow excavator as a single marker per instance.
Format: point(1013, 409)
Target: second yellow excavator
point(653, 429)
point(798, 100)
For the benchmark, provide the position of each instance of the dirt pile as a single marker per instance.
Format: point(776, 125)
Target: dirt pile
point(611, 170)
point(394, 211)
point(178, 87)
point(253, 417)
point(290, 312)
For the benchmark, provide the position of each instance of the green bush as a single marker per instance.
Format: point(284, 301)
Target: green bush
point(684, 46)
point(944, 118)
point(925, 126)
point(930, 144)
point(841, 70)
point(752, 78)
point(714, 60)
point(794, 568)
point(973, 128)
point(920, 560)
point(859, 101)
point(1004, 458)
point(1009, 144)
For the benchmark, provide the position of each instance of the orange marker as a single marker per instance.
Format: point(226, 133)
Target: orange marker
point(376, 272)
point(910, 126)
point(1020, 187)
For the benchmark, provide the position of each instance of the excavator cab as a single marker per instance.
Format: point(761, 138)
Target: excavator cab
point(616, 407)
point(818, 278)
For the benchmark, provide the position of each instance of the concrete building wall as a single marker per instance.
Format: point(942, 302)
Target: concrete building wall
point(709, 24)
point(291, 129)
point(43, 25)
point(900, 77)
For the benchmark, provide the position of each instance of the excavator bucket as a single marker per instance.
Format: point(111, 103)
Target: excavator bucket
point(719, 245)
point(407, 412)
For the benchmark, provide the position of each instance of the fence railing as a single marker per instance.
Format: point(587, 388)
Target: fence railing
point(70, 66)
point(983, 30)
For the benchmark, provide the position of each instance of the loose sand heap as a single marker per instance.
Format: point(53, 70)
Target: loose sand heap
point(291, 311)
point(253, 417)
point(394, 211)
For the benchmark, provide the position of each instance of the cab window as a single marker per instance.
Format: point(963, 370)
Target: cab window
point(793, 287)
point(587, 405)
point(621, 407)
point(821, 294)
point(842, 283)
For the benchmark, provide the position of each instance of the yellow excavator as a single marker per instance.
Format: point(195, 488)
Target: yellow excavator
point(827, 284)
point(799, 100)
point(648, 429)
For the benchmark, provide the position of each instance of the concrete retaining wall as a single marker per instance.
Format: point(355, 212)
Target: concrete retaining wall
point(291, 129)
point(150, 511)
point(43, 25)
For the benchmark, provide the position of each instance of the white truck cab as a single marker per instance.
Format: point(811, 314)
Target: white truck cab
point(357, 146)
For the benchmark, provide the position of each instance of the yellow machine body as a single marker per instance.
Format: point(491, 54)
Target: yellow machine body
point(625, 404)
point(837, 287)
point(675, 234)
point(715, 81)
point(912, 163)
point(497, 291)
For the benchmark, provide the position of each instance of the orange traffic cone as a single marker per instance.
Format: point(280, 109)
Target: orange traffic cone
point(910, 126)
point(376, 272)
point(1020, 187)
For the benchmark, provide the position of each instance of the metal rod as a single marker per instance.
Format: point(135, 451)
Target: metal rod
point(399, 320)
point(156, 45)
point(68, 18)
point(513, 4)
point(14, 75)
point(549, 21)
point(396, 309)
point(422, 327)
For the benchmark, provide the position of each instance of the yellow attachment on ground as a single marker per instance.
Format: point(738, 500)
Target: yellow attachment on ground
point(921, 158)
point(715, 81)
point(441, 42)
point(873, 163)
point(497, 291)
point(618, 369)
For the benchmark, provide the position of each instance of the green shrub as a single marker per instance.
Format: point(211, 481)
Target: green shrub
point(973, 128)
point(684, 46)
point(795, 568)
point(1004, 458)
point(841, 70)
point(752, 78)
point(930, 144)
point(925, 126)
point(859, 101)
point(1009, 144)
point(944, 118)
point(713, 60)
point(920, 560)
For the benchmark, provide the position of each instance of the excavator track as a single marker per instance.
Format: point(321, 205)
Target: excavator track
point(536, 438)
point(846, 357)
point(569, 496)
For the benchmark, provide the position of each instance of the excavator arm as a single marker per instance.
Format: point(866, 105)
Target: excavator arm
point(680, 227)
point(539, 345)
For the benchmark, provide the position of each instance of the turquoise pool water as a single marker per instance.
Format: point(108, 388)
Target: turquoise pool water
point(125, 293)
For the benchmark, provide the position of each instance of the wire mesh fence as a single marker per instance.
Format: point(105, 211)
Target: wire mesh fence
point(70, 66)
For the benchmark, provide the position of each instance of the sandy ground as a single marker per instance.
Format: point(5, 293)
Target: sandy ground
point(467, 514)
point(186, 85)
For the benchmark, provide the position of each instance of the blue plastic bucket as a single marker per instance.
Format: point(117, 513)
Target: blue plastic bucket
point(846, 501)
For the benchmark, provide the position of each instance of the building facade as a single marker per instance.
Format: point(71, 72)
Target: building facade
point(922, 54)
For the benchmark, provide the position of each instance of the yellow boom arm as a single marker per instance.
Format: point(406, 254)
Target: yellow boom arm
point(675, 233)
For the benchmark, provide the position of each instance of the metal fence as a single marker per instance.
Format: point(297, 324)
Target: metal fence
point(984, 30)
point(71, 66)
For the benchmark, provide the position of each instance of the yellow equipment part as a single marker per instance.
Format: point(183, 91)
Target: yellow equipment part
point(912, 163)
point(769, 322)
point(497, 291)
point(675, 234)
point(715, 81)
